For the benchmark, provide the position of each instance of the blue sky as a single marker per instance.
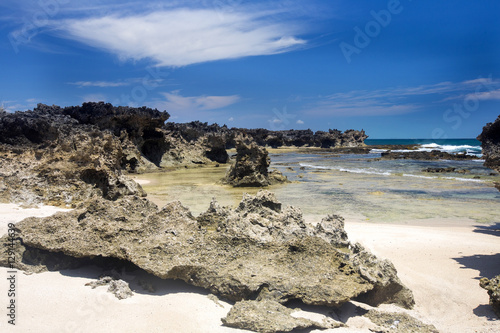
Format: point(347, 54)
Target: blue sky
point(395, 68)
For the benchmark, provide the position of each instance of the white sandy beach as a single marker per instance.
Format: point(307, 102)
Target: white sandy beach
point(441, 264)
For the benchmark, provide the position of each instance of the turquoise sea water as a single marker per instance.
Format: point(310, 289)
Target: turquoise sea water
point(472, 146)
point(394, 190)
point(357, 186)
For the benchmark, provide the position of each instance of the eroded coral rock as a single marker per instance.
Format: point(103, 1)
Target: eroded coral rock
point(493, 288)
point(399, 323)
point(271, 317)
point(251, 166)
point(117, 287)
point(260, 250)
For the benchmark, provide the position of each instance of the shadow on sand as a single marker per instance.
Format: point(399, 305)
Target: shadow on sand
point(488, 265)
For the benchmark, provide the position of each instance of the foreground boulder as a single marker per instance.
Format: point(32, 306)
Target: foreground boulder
point(251, 166)
point(259, 250)
point(493, 288)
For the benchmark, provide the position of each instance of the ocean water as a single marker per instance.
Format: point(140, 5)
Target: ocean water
point(357, 186)
point(469, 146)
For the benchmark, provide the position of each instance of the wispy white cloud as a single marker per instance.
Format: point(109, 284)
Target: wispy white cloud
point(100, 84)
point(485, 95)
point(401, 100)
point(184, 36)
point(300, 122)
point(175, 102)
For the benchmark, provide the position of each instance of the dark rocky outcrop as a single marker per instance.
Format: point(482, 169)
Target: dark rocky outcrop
point(259, 250)
point(73, 164)
point(493, 288)
point(490, 142)
point(251, 166)
point(263, 137)
point(425, 155)
point(445, 170)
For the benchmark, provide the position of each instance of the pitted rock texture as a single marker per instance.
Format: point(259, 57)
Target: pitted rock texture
point(493, 288)
point(271, 317)
point(259, 250)
point(251, 166)
point(117, 287)
point(490, 142)
point(398, 323)
point(301, 138)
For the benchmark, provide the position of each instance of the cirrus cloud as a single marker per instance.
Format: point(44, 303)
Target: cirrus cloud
point(183, 36)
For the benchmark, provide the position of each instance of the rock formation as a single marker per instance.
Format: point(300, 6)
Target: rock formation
point(46, 156)
point(271, 317)
point(258, 251)
point(117, 287)
point(490, 142)
point(251, 166)
point(493, 288)
point(263, 137)
point(398, 322)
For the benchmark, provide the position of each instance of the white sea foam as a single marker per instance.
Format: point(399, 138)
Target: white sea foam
point(428, 147)
point(372, 171)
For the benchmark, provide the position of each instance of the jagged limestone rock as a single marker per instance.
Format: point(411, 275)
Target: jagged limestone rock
point(258, 250)
point(251, 166)
point(493, 288)
point(270, 317)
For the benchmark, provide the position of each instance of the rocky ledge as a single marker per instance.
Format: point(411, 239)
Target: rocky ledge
point(259, 251)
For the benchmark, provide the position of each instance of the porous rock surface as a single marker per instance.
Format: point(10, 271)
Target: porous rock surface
point(117, 287)
point(259, 250)
point(263, 137)
point(251, 166)
point(493, 288)
point(490, 142)
point(47, 157)
point(398, 323)
point(270, 317)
